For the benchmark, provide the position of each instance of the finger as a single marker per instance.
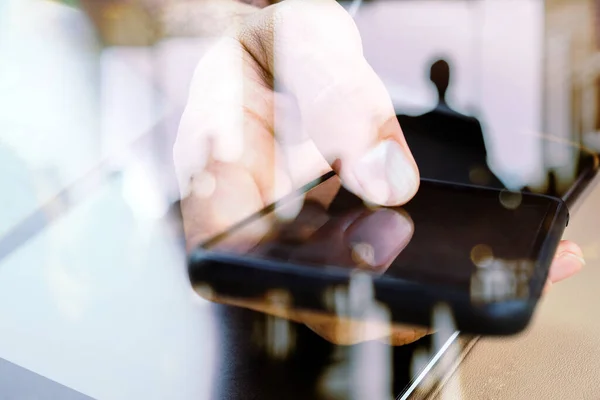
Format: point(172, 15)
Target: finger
point(347, 331)
point(335, 329)
point(402, 335)
point(315, 53)
point(567, 262)
point(286, 237)
point(368, 240)
point(225, 141)
point(213, 205)
point(377, 238)
point(229, 119)
point(328, 241)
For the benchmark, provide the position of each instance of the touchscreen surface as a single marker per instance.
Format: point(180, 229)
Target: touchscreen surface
point(446, 235)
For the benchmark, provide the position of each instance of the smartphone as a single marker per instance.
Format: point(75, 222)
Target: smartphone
point(482, 253)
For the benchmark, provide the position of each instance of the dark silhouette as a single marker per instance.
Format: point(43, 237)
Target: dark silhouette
point(447, 145)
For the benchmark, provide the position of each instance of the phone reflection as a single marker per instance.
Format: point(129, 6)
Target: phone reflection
point(453, 239)
point(473, 244)
point(355, 350)
point(367, 239)
point(501, 280)
point(328, 231)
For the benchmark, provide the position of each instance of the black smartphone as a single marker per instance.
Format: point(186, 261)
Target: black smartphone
point(482, 252)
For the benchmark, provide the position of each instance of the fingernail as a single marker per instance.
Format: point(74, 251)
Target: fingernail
point(387, 175)
point(377, 238)
point(573, 255)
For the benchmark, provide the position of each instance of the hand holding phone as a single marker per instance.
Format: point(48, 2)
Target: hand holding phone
point(332, 112)
point(370, 239)
point(483, 252)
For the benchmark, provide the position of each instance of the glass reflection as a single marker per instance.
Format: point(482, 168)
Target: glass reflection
point(80, 84)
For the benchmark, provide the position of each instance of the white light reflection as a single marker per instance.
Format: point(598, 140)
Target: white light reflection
point(363, 253)
point(334, 381)
point(446, 334)
point(432, 363)
point(444, 324)
point(510, 200)
point(419, 362)
point(371, 370)
point(361, 294)
point(371, 361)
point(204, 185)
point(500, 281)
point(280, 337)
point(368, 372)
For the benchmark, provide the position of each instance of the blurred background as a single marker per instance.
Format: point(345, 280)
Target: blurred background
point(91, 93)
point(82, 80)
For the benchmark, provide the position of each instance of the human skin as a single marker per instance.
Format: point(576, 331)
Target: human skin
point(283, 96)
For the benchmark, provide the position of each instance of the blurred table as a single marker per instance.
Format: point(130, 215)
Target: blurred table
point(558, 357)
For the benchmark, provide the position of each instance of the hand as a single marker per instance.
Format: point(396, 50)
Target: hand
point(368, 239)
point(281, 99)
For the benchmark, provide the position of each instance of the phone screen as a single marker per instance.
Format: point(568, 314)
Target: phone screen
point(450, 235)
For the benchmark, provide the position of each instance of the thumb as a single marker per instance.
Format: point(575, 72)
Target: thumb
point(312, 50)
